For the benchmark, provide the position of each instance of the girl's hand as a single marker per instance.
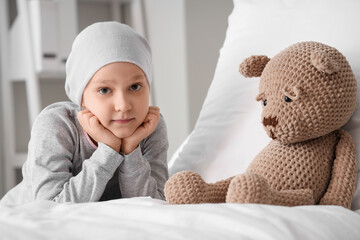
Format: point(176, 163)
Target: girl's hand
point(92, 126)
point(130, 143)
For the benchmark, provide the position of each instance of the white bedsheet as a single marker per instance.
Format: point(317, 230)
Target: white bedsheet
point(146, 218)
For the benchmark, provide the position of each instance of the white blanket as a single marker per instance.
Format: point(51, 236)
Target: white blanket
point(146, 218)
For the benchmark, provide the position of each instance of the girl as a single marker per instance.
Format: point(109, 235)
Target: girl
point(108, 143)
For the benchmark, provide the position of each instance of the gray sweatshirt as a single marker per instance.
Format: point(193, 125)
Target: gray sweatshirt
point(64, 166)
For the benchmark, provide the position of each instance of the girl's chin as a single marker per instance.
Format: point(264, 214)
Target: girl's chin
point(123, 134)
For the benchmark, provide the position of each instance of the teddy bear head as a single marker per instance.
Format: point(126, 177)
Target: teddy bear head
point(307, 90)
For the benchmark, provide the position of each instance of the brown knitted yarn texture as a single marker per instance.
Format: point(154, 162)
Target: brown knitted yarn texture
point(187, 187)
point(319, 102)
point(308, 92)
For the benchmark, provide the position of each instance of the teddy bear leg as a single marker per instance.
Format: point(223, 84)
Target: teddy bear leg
point(253, 188)
point(187, 187)
point(293, 197)
point(216, 192)
point(249, 188)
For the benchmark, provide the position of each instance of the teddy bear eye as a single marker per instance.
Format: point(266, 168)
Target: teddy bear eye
point(264, 102)
point(287, 99)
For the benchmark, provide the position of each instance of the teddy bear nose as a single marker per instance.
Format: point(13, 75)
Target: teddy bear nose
point(270, 121)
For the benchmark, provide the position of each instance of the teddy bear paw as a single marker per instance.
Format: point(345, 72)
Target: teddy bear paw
point(185, 187)
point(249, 188)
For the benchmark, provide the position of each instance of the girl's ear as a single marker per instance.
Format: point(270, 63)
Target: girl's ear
point(323, 62)
point(253, 66)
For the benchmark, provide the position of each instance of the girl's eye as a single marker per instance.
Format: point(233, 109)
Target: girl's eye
point(264, 102)
point(287, 99)
point(104, 90)
point(135, 87)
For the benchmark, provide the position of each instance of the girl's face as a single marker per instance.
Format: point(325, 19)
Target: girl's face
point(118, 95)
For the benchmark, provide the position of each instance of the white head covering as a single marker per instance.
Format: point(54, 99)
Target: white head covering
point(100, 44)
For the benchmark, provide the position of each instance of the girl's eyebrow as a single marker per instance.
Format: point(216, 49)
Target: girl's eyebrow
point(137, 77)
point(110, 80)
point(103, 81)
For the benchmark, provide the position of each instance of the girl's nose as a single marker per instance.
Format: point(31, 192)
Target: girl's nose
point(122, 103)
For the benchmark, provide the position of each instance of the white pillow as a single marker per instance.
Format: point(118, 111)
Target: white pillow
point(229, 133)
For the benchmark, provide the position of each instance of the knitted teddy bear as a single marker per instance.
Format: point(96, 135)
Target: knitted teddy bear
point(308, 91)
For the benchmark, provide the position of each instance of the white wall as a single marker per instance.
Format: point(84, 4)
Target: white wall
point(206, 24)
point(2, 155)
point(2, 187)
point(185, 36)
point(166, 29)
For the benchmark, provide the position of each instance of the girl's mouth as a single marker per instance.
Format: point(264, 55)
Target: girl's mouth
point(123, 121)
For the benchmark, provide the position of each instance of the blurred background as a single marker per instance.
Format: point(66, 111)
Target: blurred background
point(36, 38)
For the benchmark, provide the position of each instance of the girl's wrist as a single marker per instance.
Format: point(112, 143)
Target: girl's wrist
point(128, 148)
point(116, 146)
point(116, 149)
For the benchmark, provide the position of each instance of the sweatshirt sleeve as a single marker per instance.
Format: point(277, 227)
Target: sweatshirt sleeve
point(50, 162)
point(144, 171)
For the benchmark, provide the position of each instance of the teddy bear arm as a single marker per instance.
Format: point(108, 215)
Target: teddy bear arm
point(341, 188)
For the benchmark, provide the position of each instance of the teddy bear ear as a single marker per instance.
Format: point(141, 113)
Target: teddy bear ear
point(323, 62)
point(253, 66)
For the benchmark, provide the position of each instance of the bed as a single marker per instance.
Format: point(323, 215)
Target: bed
point(146, 218)
point(225, 139)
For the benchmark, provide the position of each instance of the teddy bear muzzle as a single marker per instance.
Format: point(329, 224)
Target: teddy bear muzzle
point(270, 121)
